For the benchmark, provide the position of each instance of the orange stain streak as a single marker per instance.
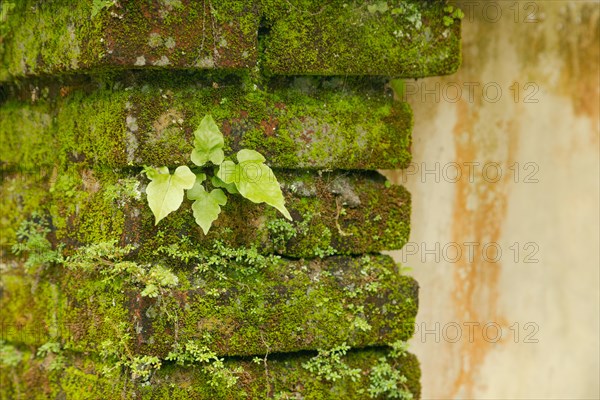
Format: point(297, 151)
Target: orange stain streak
point(475, 296)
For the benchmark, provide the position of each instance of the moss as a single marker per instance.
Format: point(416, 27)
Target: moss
point(403, 38)
point(73, 148)
point(150, 119)
point(285, 377)
point(25, 320)
point(406, 39)
point(62, 43)
point(132, 34)
point(15, 206)
point(334, 213)
point(82, 205)
point(233, 307)
point(342, 220)
point(26, 136)
point(58, 150)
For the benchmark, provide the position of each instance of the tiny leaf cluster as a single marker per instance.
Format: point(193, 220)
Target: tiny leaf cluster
point(250, 177)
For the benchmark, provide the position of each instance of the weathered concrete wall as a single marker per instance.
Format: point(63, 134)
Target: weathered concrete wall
point(550, 209)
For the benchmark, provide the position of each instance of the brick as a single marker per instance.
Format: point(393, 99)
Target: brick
point(150, 120)
point(333, 213)
point(409, 39)
point(69, 37)
point(284, 376)
point(242, 307)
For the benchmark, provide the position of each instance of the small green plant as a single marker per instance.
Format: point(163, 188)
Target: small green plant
point(385, 379)
point(119, 355)
point(452, 13)
point(159, 277)
point(380, 6)
point(328, 365)
point(122, 191)
point(99, 5)
point(9, 355)
point(220, 258)
point(280, 232)
point(193, 354)
point(322, 253)
point(250, 177)
point(410, 12)
point(52, 351)
point(33, 241)
point(399, 349)
point(361, 324)
point(108, 260)
point(142, 366)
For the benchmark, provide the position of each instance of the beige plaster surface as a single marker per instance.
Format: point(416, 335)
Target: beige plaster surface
point(523, 324)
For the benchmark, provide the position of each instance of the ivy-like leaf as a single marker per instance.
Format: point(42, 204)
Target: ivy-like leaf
point(380, 6)
point(198, 188)
point(246, 155)
point(230, 187)
point(165, 192)
point(228, 172)
point(208, 143)
point(254, 180)
point(207, 206)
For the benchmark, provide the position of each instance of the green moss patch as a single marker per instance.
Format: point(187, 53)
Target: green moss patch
point(333, 213)
point(137, 120)
point(377, 37)
point(402, 38)
point(86, 36)
point(275, 376)
point(232, 302)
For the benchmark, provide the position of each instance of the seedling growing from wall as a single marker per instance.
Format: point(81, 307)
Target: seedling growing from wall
point(250, 177)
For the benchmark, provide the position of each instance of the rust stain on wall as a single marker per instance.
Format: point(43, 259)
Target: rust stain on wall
point(559, 53)
point(479, 210)
point(579, 44)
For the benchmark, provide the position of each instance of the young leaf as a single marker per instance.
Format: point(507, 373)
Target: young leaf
point(254, 180)
point(228, 172)
point(197, 189)
point(230, 187)
point(246, 155)
point(208, 143)
point(207, 206)
point(165, 192)
point(380, 6)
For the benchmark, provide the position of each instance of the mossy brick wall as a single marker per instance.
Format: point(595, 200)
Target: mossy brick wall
point(102, 88)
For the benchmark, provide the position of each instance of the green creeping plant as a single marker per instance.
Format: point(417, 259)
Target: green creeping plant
point(250, 177)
